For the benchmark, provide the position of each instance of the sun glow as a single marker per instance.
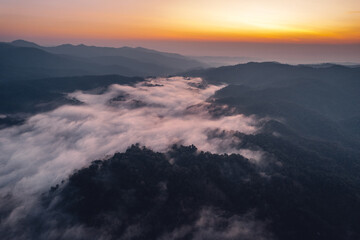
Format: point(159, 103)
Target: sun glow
point(337, 21)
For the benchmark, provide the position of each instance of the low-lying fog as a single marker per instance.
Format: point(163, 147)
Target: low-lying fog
point(156, 114)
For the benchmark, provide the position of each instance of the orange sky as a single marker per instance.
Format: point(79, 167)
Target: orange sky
point(297, 21)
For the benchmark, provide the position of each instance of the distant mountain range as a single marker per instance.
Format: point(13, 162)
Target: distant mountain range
point(26, 60)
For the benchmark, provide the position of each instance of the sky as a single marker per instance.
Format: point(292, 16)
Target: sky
point(159, 23)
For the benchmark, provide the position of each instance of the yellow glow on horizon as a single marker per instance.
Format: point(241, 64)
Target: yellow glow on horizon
point(336, 21)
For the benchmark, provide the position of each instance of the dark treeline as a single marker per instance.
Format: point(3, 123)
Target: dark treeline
point(292, 196)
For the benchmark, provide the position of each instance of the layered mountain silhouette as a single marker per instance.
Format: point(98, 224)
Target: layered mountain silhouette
point(26, 60)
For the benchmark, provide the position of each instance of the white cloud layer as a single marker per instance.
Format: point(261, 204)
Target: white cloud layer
point(156, 114)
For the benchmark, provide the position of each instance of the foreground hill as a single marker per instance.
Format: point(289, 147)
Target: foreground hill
point(140, 194)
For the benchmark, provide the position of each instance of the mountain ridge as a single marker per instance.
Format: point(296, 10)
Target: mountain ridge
point(21, 59)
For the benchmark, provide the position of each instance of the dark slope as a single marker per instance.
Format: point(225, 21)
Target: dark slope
point(312, 100)
point(312, 111)
point(320, 104)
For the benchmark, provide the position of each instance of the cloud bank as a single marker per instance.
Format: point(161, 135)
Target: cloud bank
point(208, 226)
point(156, 113)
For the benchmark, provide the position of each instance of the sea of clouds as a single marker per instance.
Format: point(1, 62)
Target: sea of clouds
point(156, 113)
